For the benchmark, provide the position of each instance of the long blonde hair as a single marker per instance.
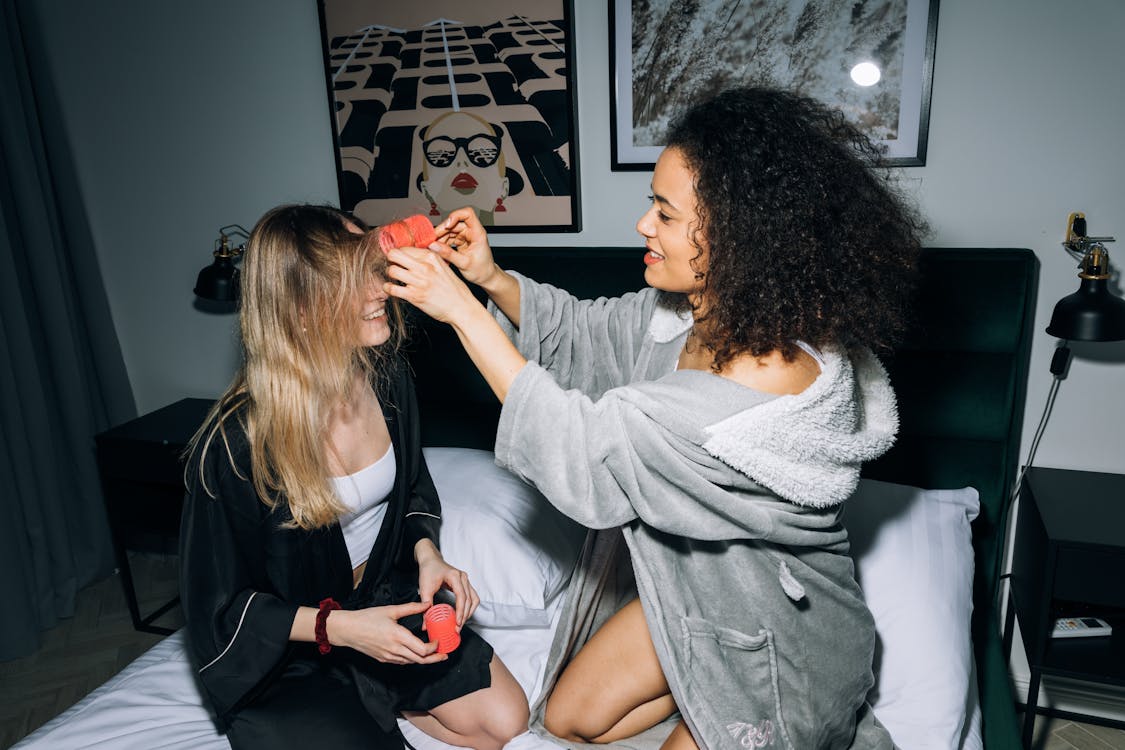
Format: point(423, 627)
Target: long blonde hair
point(303, 277)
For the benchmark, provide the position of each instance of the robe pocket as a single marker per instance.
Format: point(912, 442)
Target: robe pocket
point(735, 674)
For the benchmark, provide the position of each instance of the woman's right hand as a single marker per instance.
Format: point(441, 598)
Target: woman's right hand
point(375, 632)
point(463, 243)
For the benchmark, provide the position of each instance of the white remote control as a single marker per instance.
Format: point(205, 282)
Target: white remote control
point(1080, 627)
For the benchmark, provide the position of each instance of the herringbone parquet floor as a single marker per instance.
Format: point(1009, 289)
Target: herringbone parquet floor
point(1058, 734)
point(84, 651)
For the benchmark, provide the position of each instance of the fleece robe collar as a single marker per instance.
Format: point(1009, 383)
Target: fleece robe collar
point(808, 447)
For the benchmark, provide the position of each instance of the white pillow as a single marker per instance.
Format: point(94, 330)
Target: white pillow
point(914, 561)
point(517, 549)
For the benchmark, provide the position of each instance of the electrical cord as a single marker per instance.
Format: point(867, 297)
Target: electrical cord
point(1042, 427)
point(1059, 364)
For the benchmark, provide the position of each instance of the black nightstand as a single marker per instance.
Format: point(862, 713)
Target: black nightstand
point(1069, 558)
point(143, 483)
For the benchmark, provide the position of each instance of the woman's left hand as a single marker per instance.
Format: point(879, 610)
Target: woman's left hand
point(427, 282)
point(435, 573)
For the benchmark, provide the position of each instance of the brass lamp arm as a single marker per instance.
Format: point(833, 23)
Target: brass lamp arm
point(1077, 243)
point(223, 248)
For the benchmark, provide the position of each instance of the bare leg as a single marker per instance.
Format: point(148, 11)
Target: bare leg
point(484, 720)
point(614, 687)
point(639, 719)
point(680, 739)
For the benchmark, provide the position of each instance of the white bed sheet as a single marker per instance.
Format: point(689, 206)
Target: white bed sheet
point(154, 704)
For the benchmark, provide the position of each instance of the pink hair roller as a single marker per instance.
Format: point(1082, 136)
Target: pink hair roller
point(413, 231)
point(441, 626)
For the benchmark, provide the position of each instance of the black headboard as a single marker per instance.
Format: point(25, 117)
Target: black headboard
point(961, 381)
point(458, 409)
point(960, 377)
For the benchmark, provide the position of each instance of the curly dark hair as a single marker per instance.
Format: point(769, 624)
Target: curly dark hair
point(807, 240)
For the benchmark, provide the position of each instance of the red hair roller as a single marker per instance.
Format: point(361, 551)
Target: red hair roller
point(413, 231)
point(441, 626)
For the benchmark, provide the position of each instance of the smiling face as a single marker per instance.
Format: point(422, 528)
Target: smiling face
point(671, 228)
point(462, 163)
point(372, 328)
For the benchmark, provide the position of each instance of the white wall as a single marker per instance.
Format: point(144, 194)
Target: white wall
point(187, 117)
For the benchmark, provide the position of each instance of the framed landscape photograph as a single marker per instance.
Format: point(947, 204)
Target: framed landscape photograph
point(873, 60)
point(438, 104)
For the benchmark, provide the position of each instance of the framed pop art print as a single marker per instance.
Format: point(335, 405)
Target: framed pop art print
point(438, 104)
point(873, 60)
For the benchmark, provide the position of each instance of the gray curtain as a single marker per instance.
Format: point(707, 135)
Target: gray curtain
point(62, 378)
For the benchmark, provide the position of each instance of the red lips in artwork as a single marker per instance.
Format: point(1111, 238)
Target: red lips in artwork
point(464, 181)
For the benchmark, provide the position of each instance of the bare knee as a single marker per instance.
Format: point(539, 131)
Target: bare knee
point(495, 729)
point(506, 722)
point(559, 720)
point(500, 714)
point(485, 720)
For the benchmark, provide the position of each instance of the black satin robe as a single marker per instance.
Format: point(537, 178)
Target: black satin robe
point(243, 577)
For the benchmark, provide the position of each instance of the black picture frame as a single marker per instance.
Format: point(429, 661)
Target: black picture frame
point(488, 87)
point(663, 60)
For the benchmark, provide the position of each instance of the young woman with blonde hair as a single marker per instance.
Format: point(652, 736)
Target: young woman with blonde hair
point(309, 539)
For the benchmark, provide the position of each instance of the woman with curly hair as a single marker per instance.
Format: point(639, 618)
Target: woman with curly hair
point(713, 424)
point(308, 549)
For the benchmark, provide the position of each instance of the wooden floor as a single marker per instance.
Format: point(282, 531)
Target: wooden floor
point(84, 651)
point(1058, 734)
point(89, 648)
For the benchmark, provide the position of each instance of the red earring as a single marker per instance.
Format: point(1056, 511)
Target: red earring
point(433, 209)
point(499, 205)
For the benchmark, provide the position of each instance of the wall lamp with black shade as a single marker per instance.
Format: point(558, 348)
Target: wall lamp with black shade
point(219, 281)
point(1093, 313)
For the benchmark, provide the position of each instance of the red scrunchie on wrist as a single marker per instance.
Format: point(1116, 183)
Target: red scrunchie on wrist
point(326, 607)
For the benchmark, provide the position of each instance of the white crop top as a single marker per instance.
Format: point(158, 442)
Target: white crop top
point(812, 351)
point(365, 495)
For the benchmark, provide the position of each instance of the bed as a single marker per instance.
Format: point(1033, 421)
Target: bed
point(927, 523)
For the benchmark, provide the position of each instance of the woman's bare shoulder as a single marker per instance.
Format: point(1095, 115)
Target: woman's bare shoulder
point(771, 373)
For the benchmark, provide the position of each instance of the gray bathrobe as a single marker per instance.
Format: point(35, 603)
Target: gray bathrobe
point(727, 500)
